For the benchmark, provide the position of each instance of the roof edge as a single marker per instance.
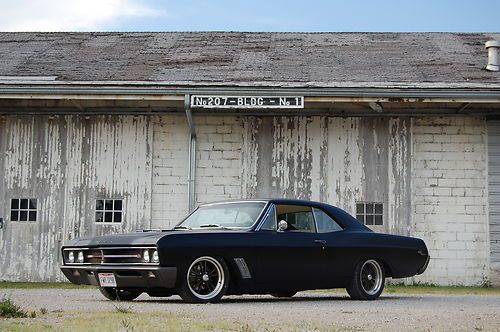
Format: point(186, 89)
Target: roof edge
point(152, 91)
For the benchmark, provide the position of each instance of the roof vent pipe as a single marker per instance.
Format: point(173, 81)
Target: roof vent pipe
point(493, 62)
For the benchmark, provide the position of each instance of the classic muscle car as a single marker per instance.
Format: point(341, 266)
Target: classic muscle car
point(276, 246)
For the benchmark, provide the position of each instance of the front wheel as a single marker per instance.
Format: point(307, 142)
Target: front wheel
point(368, 280)
point(206, 280)
point(120, 294)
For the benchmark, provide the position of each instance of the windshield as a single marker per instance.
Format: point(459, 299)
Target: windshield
point(224, 215)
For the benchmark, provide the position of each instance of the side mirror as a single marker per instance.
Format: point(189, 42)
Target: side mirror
point(282, 226)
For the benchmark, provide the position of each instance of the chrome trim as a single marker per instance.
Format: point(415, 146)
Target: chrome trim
point(121, 256)
point(268, 206)
point(104, 248)
point(119, 268)
point(110, 264)
point(103, 256)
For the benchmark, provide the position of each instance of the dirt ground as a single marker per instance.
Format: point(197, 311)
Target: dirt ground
point(321, 311)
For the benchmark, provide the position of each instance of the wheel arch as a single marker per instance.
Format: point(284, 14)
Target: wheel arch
point(387, 267)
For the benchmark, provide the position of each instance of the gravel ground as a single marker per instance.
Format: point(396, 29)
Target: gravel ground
point(392, 312)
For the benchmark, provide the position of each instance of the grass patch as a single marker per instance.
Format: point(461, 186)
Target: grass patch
point(426, 289)
point(152, 321)
point(8, 309)
point(33, 285)
point(432, 289)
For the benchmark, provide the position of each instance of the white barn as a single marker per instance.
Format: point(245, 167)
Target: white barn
point(102, 132)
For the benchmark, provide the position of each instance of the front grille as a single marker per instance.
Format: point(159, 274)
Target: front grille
point(110, 256)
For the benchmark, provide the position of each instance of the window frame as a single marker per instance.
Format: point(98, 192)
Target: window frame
point(329, 216)
point(28, 210)
point(295, 231)
point(113, 211)
point(266, 214)
point(374, 214)
point(273, 206)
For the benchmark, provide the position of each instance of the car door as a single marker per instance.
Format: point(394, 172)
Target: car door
point(294, 258)
point(340, 257)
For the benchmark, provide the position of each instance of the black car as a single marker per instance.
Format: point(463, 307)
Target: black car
point(276, 246)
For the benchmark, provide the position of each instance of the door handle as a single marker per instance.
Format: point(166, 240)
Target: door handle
point(322, 242)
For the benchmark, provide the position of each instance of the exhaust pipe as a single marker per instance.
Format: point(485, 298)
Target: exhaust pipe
point(493, 62)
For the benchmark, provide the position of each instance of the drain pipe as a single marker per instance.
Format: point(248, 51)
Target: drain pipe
point(192, 154)
point(493, 47)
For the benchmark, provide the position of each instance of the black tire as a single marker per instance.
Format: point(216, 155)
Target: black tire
point(284, 294)
point(120, 294)
point(205, 280)
point(368, 280)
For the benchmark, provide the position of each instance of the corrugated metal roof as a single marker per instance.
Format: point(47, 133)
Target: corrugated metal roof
point(240, 58)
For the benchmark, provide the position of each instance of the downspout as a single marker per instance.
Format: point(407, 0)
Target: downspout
point(192, 154)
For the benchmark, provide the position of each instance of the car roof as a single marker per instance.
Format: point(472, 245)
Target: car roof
point(347, 221)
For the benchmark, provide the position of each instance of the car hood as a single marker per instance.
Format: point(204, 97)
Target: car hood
point(128, 239)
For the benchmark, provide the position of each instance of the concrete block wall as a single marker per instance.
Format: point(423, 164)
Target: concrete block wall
point(218, 172)
point(450, 198)
point(170, 171)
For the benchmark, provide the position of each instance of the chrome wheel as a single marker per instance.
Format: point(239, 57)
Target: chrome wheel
point(371, 277)
point(205, 278)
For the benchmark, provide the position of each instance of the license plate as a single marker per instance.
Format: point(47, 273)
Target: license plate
point(107, 280)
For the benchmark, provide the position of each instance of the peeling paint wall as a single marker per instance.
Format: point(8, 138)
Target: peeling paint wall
point(335, 160)
point(430, 173)
point(66, 163)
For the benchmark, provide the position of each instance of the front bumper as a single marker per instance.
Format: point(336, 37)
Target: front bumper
point(126, 276)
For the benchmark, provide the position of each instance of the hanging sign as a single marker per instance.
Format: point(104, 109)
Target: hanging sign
point(254, 102)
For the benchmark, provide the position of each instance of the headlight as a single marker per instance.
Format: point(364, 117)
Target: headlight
point(145, 256)
point(80, 257)
point(155, 258)
point(71, 257)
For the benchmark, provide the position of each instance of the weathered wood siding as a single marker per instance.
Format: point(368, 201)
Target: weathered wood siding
point(67, 162)
point(335, 160)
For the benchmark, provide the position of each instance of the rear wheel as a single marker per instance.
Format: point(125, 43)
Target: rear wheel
point(284, 294)
point(206, 280)
point(120, 294)
point(368, 280)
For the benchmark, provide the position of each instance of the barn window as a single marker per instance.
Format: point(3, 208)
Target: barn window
point(370, 213)
point(108, 210)
point(23, 209)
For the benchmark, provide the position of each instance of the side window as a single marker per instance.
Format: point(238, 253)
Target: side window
point(23, 209)
point(108, 210)
point(270, 220)
point(299, 218)
point(370, 213)
point(325, 223)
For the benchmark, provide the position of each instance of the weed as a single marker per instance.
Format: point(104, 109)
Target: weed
point(33, 314)
point(127, 325)
point(43, 311)
point(123, 309)
point(245, 328)
point(8, 309)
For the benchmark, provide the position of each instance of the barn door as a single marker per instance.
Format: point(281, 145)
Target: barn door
point(31, 194)
point(494, 198)
point(2, 176)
